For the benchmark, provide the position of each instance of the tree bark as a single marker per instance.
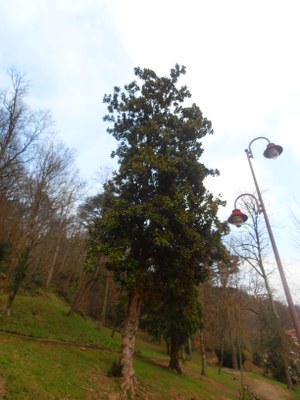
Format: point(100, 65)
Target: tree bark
point(221, 358)
point(129, 331)
point(202, 350)
point(51, 270)
point(104, 307)
point(79, 294)
point(233, 340)
point(18, 278)
point(174, 354)
point(190, 349)
point(9, 302)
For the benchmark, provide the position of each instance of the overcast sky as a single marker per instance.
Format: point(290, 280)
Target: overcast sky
point(243, 68)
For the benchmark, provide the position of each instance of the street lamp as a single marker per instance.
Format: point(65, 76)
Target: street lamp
point(238, 218)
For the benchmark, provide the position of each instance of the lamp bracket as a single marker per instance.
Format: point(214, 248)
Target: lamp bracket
point(258, 204)
point(249, 151)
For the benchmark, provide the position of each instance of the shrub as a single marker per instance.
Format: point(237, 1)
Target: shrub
point(227, 357)
point(115, 370)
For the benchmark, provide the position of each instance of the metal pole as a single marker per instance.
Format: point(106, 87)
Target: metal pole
point(288, 296)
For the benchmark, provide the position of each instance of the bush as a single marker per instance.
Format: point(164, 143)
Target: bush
point(257, 359)
point(227, 357)
point(115, 370)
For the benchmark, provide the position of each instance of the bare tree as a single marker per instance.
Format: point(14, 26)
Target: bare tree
point(20, 128)
point(45, 189)
point(225, 273)
point(251, 246)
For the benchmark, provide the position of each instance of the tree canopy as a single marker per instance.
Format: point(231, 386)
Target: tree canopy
point(158, 221)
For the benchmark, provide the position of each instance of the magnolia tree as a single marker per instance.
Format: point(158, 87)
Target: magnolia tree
point(158, 224)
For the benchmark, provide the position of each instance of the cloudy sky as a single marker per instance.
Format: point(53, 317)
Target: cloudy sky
point(243, 70)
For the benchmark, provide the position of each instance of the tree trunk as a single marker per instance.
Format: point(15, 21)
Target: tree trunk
point(233, 349)
point(129, 331)
point(202, 350)
point(19, 275)
point(221, 358)
point(174, 354)
point(51, 270)
point(190, 348)
point(79, 294)
point(9, 302)
point(183, 354)
point(104, 307)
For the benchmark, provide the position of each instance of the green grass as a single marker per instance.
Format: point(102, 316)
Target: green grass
point(296, 394)
point(34, 371)
point(45, 370)
point(46, 316)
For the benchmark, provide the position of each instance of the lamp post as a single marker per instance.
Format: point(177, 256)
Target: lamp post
point(237, 218)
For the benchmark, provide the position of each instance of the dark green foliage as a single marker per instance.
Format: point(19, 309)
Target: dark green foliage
point(272, 336)
point(120, 312)
point(4, 252)
point(90, 209)
point(156, 215)
point(227, 357)
point(257, 358)
point(4, 247)
point(273, 358)
point(172, 310)
point(273, 364)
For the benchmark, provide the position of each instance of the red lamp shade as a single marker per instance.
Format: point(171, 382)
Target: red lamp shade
point(273, 151)
point(237, 218)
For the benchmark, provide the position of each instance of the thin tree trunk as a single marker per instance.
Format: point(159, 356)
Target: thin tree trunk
point(190, 348)
point(233, 353)
point(72, 273)
point(168, 346)
point(114, 330)
point(104, 307)
point(78, 295)
point(221, 358)
point(19, 275)
point(240, 356)
point(129, 331)
point(9, 302)
point(51, 270)
point(202, 350)
point(233, 338)
point(287, 372)
point(183, 357)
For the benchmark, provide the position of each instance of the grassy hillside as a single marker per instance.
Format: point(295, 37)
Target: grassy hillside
point(46, 355)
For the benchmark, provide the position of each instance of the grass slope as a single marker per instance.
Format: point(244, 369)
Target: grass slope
point(71, 358)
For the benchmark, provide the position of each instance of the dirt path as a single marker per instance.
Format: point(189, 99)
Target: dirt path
point(262, 390)
point(265, 390)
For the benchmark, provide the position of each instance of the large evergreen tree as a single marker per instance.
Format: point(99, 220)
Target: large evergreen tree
point(158, 222)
